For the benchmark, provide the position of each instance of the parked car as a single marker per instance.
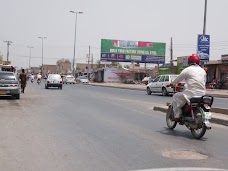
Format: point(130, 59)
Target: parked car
point(158, 85)
point(69, 79)
point(53, 80)
point(147, 80)
point(82, 79)
point(9, 85)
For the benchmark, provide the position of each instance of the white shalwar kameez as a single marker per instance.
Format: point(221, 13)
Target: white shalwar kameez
point(195, 80)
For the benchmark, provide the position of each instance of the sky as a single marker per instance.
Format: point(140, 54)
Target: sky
point(23, 21)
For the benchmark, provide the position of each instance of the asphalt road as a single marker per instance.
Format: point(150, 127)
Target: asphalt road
point(94, 128)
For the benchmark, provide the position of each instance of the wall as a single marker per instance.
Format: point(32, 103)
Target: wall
point(114, 75)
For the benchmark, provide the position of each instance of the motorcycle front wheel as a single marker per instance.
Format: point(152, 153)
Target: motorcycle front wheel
point(169, 115)
point(199, 133)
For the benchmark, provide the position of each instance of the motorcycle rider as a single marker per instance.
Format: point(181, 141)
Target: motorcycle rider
point(32, 78)
point(194, 77)
point(39, 77)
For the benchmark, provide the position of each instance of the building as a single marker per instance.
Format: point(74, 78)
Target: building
point(49, 69)
point(217, 70)
point(35, 70)
point(63, 66)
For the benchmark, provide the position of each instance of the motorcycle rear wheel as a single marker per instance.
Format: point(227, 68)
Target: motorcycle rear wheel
point(169, 115)
point(199, 133)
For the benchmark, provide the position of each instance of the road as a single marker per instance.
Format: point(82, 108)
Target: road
point(218, 102)
point(94, 128)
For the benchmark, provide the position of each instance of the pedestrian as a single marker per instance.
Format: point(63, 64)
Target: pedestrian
point(23, 80)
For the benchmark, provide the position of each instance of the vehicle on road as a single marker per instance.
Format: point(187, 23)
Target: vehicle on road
point(9, 68)
point(69, 79)
point(82, 79)
point(54, 80)
point(158, 85)
point(147, 80)
point(9, 84)
point(195, 115)
point(38, 81)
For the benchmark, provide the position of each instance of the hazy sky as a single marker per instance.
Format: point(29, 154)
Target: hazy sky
point(23, 21)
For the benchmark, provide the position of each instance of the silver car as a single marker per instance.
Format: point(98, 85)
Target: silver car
point(158, 85)
point(69, 79)
point(82, 79)
point(54, 80)
point(9, 84)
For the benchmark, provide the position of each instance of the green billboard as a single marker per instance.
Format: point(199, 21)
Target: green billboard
point(128, 51)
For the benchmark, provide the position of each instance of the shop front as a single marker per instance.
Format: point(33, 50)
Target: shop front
point(218, 71)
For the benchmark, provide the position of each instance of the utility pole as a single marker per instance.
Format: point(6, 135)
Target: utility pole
point(205, 18)
point(8, 44)
point(92, 61)
point(171, 56)
point(88, 64)
point(145, 69)
point(42, 38)
point(30, 47)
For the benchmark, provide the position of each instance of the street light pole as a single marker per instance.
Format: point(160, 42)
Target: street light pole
point(205, 18)
point(8, 44)
point(30, 47)
point(75, 35)
point(42, 53)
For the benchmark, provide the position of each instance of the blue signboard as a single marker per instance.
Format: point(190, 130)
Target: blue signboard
point(203, 47)
point(132, 58)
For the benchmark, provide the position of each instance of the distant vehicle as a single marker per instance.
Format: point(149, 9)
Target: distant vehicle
point(8, 68)
point(38, 81)
point(147, 80)
point(69, 79)
point(9, 84)
point(82, 79)
point(54, 80)
point(158, 85)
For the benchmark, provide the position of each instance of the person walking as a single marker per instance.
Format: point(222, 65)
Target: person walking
point(23, 80)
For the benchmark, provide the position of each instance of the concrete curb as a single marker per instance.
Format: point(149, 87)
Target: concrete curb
point(220, 110)
point(110, 86)
point(213, 120)
point(140, 89)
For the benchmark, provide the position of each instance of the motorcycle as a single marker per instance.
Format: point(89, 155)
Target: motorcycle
point(32, 80)
point(38, 81)
point(195, 115)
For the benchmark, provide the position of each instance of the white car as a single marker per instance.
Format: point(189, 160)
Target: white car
point(54, 80)
point(82, 79)
point(69, 79)
point(158, 85)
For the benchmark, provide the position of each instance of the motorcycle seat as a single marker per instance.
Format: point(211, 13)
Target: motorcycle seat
point(196, 99)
